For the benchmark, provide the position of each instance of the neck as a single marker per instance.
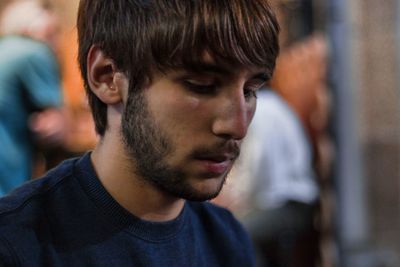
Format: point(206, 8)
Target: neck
point(116, 172)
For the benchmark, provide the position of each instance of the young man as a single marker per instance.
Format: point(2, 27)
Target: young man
point(172, 87)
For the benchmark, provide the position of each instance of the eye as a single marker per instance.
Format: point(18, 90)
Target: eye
point(200, 87)
point(250, 91)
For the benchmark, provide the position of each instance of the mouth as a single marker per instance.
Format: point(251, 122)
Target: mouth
point(217, 157)
point(217, 160)
point(217, 164)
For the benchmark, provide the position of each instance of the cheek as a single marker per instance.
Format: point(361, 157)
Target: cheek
point(179, 115)
point(189, 117)
point(183, 122)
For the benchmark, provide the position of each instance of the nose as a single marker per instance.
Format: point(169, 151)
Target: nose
point(233, 117)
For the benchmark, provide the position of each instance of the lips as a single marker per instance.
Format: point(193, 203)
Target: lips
point(216, 164)
point(216, 158)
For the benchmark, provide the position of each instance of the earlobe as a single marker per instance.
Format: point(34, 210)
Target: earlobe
point(101, 71)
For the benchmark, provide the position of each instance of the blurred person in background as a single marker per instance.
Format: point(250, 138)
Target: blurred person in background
point(273, 189)
point(30, 94)
point(172, 87)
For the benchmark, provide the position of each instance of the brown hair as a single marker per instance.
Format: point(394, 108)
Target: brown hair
point(141, 35)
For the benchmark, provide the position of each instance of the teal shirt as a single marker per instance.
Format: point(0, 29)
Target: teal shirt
point(29, 81)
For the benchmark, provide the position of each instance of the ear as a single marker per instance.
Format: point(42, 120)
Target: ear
point(101, 71)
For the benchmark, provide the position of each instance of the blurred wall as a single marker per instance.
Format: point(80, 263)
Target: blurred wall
point(379, 108)
point(369, 209)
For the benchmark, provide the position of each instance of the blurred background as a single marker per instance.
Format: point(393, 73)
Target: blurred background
point(338, 70)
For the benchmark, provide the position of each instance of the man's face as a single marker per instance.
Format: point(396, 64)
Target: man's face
point(183, 131)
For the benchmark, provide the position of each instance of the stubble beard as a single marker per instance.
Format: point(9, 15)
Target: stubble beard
point(148, 147)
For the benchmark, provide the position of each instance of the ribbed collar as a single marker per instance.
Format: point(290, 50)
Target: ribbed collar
point(118, 216)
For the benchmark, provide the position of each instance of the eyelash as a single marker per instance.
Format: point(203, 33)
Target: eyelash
point(212, 88)
point(250, 93)
point(200, 88)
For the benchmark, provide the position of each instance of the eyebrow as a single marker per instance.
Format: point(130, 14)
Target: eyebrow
point(264, 76)
point(205, 67)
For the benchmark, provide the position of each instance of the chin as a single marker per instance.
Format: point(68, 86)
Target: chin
point(205, 191)
point(201, 196)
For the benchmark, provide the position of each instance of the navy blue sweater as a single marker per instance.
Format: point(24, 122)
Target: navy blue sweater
point(67, 218)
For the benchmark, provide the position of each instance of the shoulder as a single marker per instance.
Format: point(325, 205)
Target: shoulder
point(28, 209)
point(31, 54)
point(28, 214)
point(272, 106)
point(26, 203)
point(24, 47)
point(274, 118)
